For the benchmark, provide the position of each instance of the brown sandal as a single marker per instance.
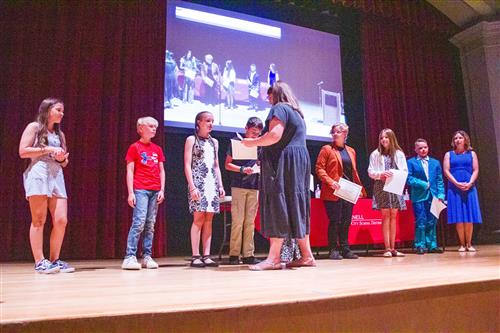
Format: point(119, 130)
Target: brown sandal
point(302, 262)
point(265, 266)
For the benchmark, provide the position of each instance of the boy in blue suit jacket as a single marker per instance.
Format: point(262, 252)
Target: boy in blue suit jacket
point(426, 181)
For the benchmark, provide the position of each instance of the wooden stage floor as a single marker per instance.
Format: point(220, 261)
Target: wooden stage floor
point(101, 289)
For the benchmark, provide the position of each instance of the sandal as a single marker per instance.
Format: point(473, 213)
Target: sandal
point(397, 254)
point(197, 262)
point(209, 262)
point(302, 262)
point(265, 266)
point(388, 254)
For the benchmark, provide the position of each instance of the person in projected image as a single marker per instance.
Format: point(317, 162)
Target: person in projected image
point(284, 184)
point(210, 74)
point(253, 88)
point(229, 83)
point(188, 65)
point(272, 75)
point(171, 70)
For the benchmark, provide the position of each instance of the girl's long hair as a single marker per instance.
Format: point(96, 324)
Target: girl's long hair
point(393, 143)
point(282, 93)
point(43, 121)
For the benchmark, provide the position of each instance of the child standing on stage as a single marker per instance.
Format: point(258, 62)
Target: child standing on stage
point(146, 185)
point(44, 143)
point(426, 182)
point(201, 167)
point(388, 155)
point(245, 200)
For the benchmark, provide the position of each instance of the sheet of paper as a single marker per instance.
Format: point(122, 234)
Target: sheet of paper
point(256, 168)
point(254, 93)
point(348, 190)
point(240, 152)
point(190, 74)
point(437, 207)
point(208, 81)
point(311, 183)
point(396, 183)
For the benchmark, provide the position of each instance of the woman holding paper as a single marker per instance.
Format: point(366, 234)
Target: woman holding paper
point(210, 75)
point(388, 156)
point(461, 167)
point(284, 183)
point(335, 161)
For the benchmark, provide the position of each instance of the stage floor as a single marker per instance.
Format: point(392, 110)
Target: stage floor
point(101, 288)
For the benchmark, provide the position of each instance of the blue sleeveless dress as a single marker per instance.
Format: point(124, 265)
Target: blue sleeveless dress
point(462, 206)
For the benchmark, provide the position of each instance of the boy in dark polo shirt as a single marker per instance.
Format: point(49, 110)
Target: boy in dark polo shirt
point(244, 205)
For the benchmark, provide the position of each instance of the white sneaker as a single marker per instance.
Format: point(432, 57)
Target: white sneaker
point(131, 263)
point(397, 254)
point(148, 262)
point(471, 249)
point(388, 254)
point(461, 249)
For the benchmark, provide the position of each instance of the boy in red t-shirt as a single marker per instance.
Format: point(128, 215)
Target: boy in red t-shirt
point(146, 185)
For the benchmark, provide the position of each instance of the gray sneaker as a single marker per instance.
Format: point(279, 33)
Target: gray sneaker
point(148, 262)
point(131, 263)
point(64, 267)
point(44, 266)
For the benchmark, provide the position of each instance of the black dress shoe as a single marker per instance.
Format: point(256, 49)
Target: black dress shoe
point(349, 255)
point(234, 260)
point(436, 250)
point(420, 250)
point(250, 260)
point(335, 255)
point(197, 262)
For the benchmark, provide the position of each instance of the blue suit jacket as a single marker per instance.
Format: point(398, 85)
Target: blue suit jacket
point(418, 181)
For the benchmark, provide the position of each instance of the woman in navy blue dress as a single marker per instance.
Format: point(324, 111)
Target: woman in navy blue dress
point(284, 183)
point(461, 167)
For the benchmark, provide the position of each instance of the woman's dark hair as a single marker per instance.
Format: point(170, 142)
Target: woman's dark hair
point(254, 122)
point(282, 93)
point(43, 122)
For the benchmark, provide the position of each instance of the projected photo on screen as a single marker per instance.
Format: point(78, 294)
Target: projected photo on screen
point(224, 62)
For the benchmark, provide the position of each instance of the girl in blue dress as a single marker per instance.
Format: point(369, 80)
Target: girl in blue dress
point(461, 167)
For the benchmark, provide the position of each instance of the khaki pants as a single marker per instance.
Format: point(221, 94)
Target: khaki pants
point(243, 210)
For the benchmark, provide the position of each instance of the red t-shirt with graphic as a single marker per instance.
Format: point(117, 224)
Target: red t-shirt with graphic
point(147, 159)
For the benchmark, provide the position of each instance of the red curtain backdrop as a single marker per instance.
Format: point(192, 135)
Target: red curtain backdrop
point(415, 13)
point(408, 85)
point(105, 60)
point(410, 81)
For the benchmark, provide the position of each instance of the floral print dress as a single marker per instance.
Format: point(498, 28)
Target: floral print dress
point(204, 176)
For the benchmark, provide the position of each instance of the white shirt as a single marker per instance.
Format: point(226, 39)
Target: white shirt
point(377, 166)
point(425, 165)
